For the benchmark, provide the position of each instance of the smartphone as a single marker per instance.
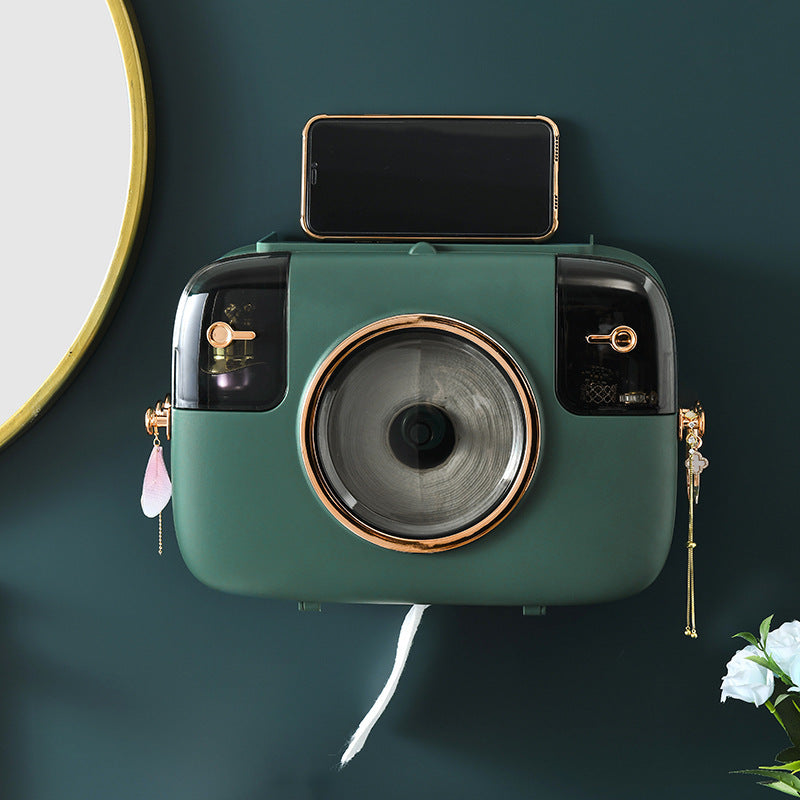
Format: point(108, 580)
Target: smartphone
point(430, 177)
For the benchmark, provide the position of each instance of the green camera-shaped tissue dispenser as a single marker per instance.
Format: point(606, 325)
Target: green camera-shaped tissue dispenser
point(466, 424)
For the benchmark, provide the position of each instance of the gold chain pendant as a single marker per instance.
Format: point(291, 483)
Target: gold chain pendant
point(692, 428)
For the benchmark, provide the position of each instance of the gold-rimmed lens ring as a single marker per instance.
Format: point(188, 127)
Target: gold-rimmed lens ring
point(489, 347)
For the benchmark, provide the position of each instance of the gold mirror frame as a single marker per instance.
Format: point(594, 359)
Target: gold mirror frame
point(141, 111)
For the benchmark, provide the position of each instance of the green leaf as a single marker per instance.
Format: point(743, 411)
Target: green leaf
point(760, 660)
point(748, 637)
point(785, 777)
point(780, 787)
point(788, 755)
point(791, 766)
point(781, 698)
point(779, 673)
point(764, 629)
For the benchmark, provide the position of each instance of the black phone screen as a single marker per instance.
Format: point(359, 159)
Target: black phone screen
point(439, 177)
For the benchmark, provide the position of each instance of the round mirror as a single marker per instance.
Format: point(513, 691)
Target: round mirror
point(74, 164)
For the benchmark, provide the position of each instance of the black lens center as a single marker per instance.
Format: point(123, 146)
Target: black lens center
point(422, 436)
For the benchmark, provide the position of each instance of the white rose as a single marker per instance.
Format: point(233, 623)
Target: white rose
point(783, 644)
point(747, 680)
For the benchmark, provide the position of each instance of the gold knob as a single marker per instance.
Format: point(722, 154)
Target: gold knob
point(220, 334)
point(623, 339)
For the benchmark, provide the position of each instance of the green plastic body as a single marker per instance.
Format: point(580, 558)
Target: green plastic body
point(594, 525)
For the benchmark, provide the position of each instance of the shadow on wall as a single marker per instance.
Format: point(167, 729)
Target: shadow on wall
point(580, 188)
point(10, 672)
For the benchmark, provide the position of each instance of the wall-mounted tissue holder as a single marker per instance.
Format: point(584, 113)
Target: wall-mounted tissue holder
point(468, 424)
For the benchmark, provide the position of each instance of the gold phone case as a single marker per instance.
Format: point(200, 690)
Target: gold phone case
point(399, 237)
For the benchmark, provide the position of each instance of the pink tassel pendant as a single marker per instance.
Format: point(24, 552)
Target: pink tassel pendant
point(157, 487)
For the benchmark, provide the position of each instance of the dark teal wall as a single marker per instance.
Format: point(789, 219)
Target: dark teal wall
point(124, 678)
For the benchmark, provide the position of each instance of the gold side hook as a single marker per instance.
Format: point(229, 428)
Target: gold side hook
point(688, 416)
point(159, 417)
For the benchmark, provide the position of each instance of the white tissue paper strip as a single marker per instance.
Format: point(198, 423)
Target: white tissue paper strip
point(157, 487)
point(404, 642)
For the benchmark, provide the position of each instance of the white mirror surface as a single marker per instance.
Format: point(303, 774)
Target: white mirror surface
point(71, 170)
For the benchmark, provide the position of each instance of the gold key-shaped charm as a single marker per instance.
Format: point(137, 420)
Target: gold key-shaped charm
point(695, 465)
point(220, 334)
point(692, 428)
point(622, 339)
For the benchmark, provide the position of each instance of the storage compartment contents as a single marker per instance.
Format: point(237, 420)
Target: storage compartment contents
point(229, 349)
point(615, 347)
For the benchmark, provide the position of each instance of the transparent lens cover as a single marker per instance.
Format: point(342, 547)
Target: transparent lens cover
point(420, 433)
